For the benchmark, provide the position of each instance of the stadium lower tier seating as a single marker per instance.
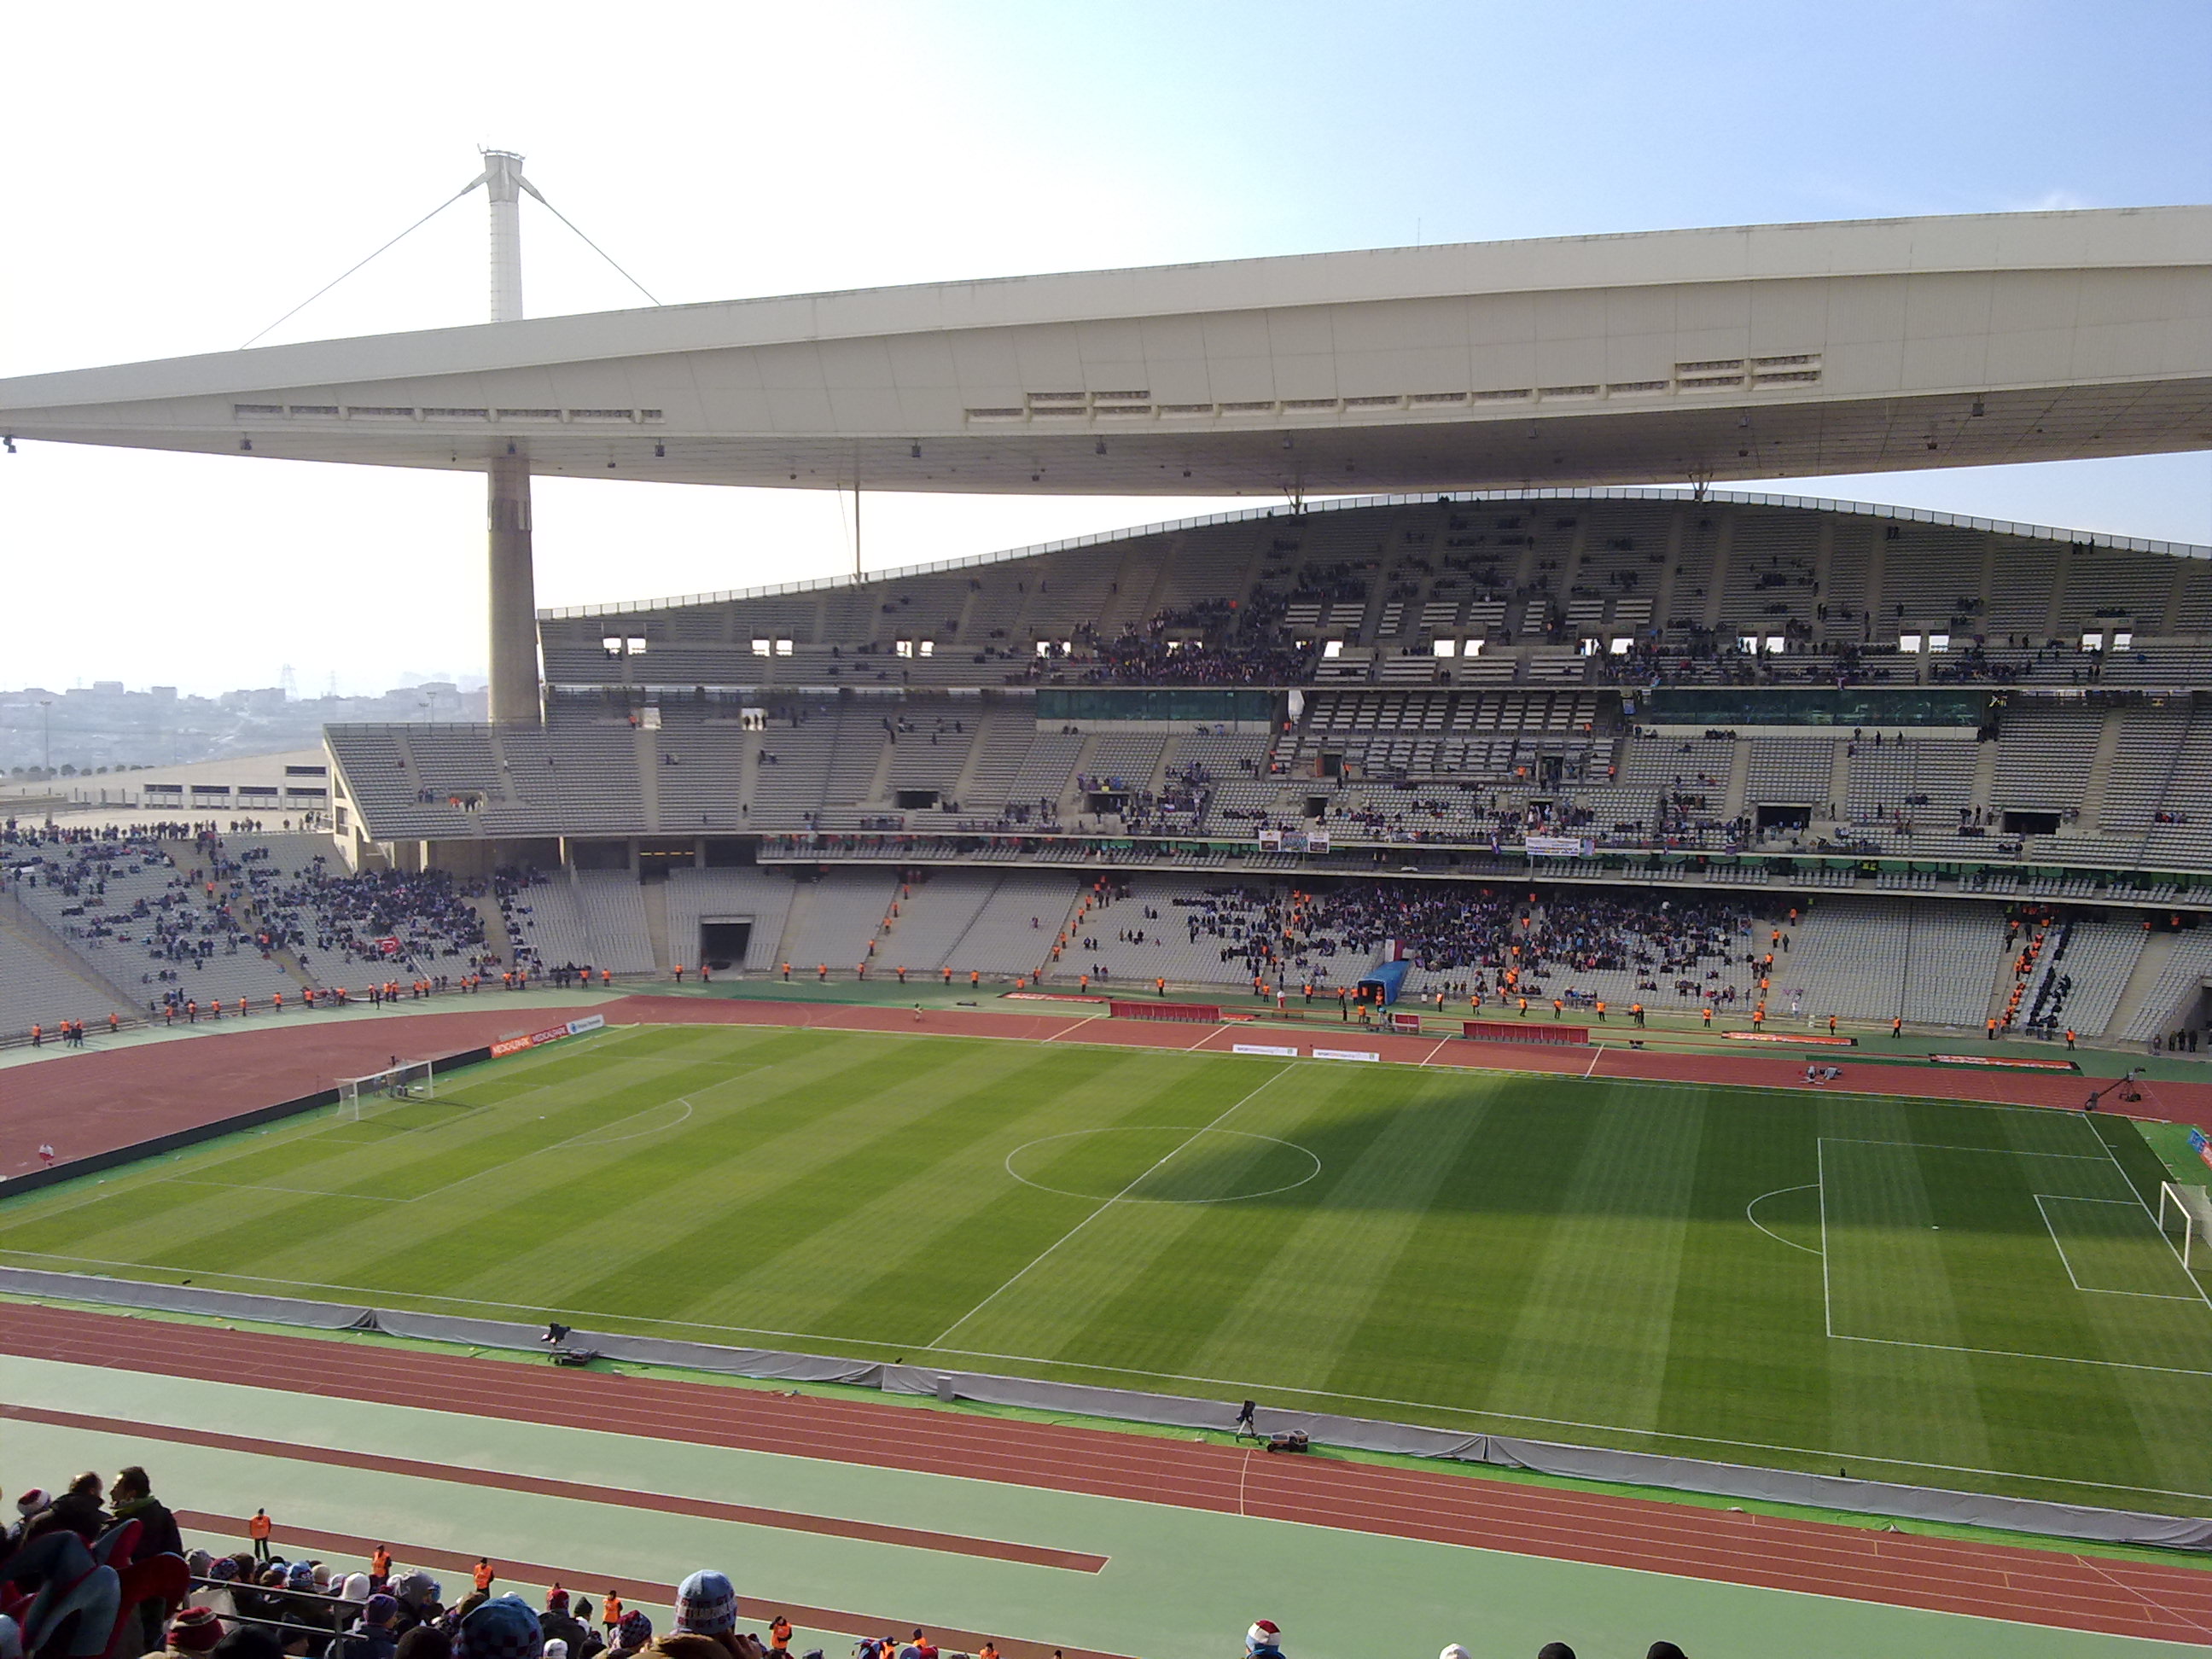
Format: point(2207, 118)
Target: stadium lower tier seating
point(264, 915)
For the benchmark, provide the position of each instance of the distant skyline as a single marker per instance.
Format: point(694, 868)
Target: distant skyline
point(852, 145)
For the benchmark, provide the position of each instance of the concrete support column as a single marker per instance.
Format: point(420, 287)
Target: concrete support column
point(513, 594)
point(514, 696)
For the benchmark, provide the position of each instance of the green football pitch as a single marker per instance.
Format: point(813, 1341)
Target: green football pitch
point(1954, 1295)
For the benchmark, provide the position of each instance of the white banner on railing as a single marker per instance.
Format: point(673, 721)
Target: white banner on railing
point(1558, 846)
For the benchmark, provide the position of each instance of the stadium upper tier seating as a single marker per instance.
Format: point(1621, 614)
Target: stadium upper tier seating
point(1258, 598)
point(1644, 669)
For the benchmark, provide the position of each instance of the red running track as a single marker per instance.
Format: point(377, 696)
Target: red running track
point(98, 1100)
point(2033, 1586)
point(95, 1099)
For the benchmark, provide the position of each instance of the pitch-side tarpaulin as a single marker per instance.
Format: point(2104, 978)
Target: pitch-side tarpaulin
point(764, 1363)
point(1832, 1492)
point(183, 1298)
point(1178, 1411)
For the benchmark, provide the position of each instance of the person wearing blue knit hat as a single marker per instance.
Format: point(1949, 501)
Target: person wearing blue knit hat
point(503, 1627)
point(706, 1605)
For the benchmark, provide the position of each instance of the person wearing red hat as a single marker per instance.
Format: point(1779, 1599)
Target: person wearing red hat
point(194, 1632)
point(1264, 1640)
point(33, 1502)
point(557, 1624)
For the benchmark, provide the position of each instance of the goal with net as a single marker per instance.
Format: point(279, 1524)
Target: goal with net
point(412, 1080)
point(2185, 1216)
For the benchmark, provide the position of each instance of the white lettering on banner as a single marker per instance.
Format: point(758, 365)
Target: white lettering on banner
point(515, 1045)
point(1275, 1049)
point(1344, 1054)
point(1558, 846)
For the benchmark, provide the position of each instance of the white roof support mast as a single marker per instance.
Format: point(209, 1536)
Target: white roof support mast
point(503, 182)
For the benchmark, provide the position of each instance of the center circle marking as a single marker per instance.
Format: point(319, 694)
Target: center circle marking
point(1194, 1135)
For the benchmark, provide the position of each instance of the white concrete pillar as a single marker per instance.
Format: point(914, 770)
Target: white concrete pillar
point(513, 594)
point(514, 697)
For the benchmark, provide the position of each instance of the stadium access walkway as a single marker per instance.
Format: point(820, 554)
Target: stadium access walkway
point(861, 1516)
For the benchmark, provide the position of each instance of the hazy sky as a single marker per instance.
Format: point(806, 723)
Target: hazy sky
point(176, 178)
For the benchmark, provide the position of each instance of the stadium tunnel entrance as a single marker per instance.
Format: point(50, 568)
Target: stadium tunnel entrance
point(723, 943)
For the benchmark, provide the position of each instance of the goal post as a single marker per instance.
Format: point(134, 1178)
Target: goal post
point(414, 1080)
point(2185, 1216)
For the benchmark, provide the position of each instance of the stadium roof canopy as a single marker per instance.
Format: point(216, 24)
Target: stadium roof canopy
point(1784, 350)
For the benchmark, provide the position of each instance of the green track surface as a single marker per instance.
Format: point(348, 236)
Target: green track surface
point(1963, 1296)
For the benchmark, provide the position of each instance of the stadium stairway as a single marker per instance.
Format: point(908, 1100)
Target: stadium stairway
point(1986, 776)
point(2100, 773)
point(794, 922)
point(648, 784)
point(75, 979)
point(185, 855)
point(655, 894)
point(997, 887)
point(497, 935)
point(1839, 784)
point(2001, 983)
point(282, 956)
point(1739, 779)
point(1072, 799)
point(879, 790)
point(2142, 983)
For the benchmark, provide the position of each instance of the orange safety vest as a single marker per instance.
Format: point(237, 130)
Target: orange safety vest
point(258, 1527)
point(484, 1575)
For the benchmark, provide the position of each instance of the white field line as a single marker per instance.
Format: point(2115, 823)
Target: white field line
point(2066, 1262)
point(2128, 1180)
point(1945, 1146)
point(1828, 1305)
point(593, 1138)
point(1055, 1244)
point(1247, 1384)
point(1820, 1181)
point(1770, 1231)
point(1596, 1054)
point(2019, 1353)
point(297, 1191)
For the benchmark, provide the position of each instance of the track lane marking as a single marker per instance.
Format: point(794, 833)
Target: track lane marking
point(539, 1486)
